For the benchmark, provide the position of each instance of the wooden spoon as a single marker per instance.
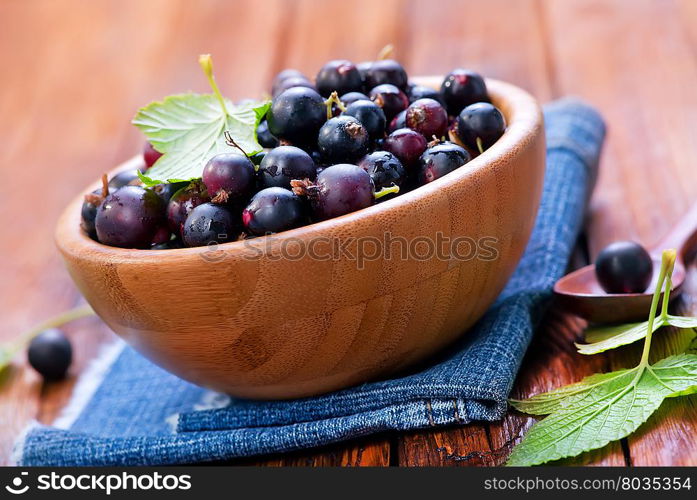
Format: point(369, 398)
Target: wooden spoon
point(580, 293)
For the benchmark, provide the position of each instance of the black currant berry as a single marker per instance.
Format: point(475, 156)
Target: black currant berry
point(150, 155)
point(88, 212)
point(342, 139)
point(161, 236)
point(407, 145)
point(386, 71)
point(417, 92)
point(129, 217)
point(258, 157)
point(229, 177)
point(461, 88)
point(266, 138)
point(427, 117)
point(338, 76)
point(294, 82)
point(399, 121)
point(339, 190)
point(209, 223)
point(50, 354)
point(624, 267)
point(296, 115)
point(390, 98)
point(289, 78)
point(273, 210)
point(370, 115)
point(125, 178)
point(352, 97)
point(384, 169)
point(166, 191)
point(284, 75)
point(283, 164)
point(168, 245)
point(480, 125)
point(439, 160)
point(182, 203)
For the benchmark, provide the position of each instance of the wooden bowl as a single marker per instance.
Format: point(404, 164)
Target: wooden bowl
point(278, 317)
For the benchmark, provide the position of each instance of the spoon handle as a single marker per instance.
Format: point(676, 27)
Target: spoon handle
point(683, 236)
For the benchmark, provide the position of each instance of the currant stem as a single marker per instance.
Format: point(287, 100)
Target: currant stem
point(387, 52)
point(386, 190)
point(206, 62)
point(54, 322)
point(105, 186)
point(479, 145)
point(667, 264)
point(666, 296)
point(333, 99)
point(231, 142)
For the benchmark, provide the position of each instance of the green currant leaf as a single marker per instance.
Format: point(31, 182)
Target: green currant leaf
point(614, 408)
point(610, 337)
point(189, 129)
point(681, 321)
point(549, 402)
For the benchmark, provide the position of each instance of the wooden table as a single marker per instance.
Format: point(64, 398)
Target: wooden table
point(74, 72)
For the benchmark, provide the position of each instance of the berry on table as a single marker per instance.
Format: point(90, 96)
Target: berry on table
point(370, 115)
point(129, 217)
point(273, 210)
point(283, 164)
point(342, 139)
point(209, 223)
point(50, 354)
point(461, 88)
point(338, 76)
point(390, 98)
point(229, 177)
point(439, 160)
point(624, 267)
point(427, 117)
point(407, 145)
point(296, 115)
point(480, 125)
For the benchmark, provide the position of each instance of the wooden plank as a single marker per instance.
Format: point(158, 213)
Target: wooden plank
point(645, 88)
point(468, 42)
point(369, 452)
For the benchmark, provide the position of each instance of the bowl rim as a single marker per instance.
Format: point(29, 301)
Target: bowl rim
point(523, 116)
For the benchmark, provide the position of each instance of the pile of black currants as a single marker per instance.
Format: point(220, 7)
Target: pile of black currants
point(357, 135)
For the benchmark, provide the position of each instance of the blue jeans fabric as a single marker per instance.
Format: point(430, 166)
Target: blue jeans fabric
point(142, 415)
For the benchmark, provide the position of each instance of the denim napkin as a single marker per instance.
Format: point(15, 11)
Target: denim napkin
point(128, 411)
